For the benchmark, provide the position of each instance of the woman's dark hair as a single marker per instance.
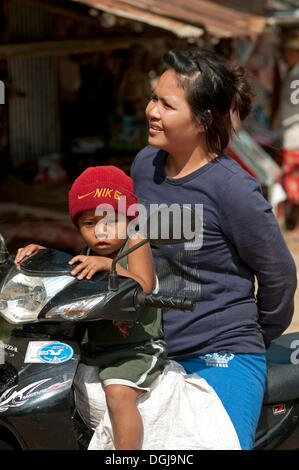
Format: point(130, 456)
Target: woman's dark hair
point(213, 88)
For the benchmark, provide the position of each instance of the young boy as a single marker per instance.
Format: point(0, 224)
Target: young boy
point(130, 356)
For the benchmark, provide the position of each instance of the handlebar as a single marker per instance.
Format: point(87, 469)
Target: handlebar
point(163, 301)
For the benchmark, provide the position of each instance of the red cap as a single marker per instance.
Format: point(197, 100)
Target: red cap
point(101, 185)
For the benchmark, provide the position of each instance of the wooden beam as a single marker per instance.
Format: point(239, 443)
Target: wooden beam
point(67, 46)
point(70, 12)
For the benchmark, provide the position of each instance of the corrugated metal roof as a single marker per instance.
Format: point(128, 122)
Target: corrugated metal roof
point(119, 8)
point(175, 15)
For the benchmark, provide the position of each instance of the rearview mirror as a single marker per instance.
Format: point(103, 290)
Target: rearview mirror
point(4, 255)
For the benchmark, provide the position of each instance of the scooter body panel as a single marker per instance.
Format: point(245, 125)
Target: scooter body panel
point(278, 427)
point(36, 398)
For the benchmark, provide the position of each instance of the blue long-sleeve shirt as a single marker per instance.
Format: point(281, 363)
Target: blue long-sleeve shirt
point(241, 241)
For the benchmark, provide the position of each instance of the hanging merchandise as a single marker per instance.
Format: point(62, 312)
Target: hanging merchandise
point(259, 164)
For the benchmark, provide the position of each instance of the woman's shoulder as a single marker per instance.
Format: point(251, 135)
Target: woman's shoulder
point(228, 174)
point(235, 187)
point(233, 172)
point(239, 193)
point(231, 166)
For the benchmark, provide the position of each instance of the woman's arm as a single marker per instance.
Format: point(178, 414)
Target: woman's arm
point(250, 225)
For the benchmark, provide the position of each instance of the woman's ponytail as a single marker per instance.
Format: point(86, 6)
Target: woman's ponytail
point(244, 95)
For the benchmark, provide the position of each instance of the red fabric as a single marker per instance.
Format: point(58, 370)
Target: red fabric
point(235, 157)
point(290, 167)
point(62, 235)
point(101, 185)
point(122, 328)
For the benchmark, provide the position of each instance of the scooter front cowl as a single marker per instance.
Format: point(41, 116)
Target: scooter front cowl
point(48, 262)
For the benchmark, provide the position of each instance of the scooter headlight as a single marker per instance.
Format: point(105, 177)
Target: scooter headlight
point(74, 310)
point(22, 297)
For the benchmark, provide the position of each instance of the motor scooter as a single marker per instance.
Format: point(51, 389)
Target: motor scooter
point(48, 310)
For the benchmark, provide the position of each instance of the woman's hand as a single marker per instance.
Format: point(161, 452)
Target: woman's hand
point(89, 265)
point(26, 252)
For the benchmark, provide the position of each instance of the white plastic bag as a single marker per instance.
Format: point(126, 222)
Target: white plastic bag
point(181, 412)
point(89, 395)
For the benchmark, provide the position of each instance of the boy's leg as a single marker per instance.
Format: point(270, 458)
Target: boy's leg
point(125, 418)
point(126, 374)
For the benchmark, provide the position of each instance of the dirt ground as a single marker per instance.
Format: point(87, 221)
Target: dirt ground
point(294, 248)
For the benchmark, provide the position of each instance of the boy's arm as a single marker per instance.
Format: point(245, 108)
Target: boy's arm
point(140, 265)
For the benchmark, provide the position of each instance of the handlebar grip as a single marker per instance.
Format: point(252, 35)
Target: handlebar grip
point(163, 301)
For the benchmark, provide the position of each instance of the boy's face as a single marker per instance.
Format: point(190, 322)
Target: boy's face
point(104, 234)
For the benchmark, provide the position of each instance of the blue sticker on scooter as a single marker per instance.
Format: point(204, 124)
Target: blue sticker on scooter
point(55, 353)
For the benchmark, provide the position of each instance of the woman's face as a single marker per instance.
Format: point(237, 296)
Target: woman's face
point(171, 124)
point(104, 234)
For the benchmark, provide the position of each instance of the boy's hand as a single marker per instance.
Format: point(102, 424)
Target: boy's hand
point(89, 265)
point(26, 252)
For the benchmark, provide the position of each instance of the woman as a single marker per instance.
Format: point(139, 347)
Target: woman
point(224, 339)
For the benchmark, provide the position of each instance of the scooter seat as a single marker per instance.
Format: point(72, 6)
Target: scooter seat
point(283, 369)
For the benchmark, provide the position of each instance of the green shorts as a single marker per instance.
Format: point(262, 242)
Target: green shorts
point(137, 366)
